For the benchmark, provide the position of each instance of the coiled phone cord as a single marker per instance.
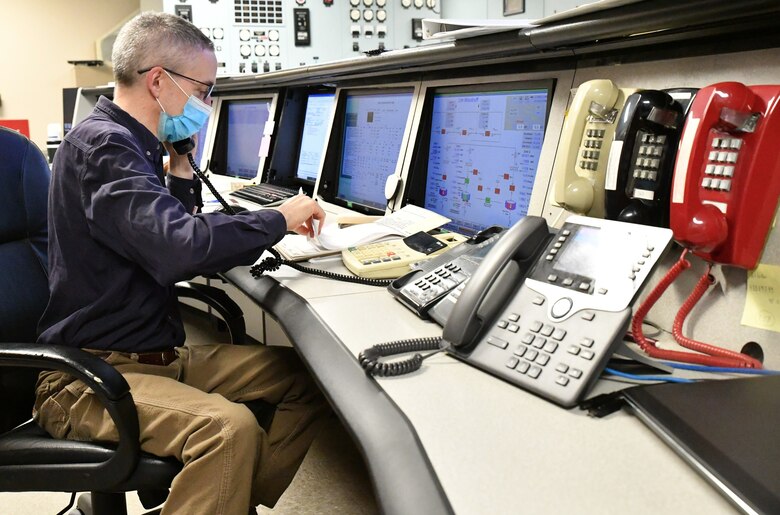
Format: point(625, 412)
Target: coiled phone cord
point(202, 176)
point(273, 263)
point(369, 358)
point(713, 356)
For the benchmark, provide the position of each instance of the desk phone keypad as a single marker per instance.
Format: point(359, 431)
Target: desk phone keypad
point(556, 360)
point(439, 281)
point(721, 162)
point(447, 277)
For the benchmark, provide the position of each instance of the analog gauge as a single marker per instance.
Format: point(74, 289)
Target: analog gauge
point(273, 50)
point(245, 50)
point(354, 3)
point(273, 35)
point(381, 15)
point(418, 4)
point(368, 15)
point(218, 33)
point(406, 3)
point(368, 3)
point(259, 50)
point(381, 3)
point(244, 34)
point(354, 14)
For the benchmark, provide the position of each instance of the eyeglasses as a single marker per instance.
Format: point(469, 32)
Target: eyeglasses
point(207, 84)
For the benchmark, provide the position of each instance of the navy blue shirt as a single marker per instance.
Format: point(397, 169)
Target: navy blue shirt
point(119, 238)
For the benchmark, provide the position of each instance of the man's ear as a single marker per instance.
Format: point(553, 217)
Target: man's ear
point(154, 80)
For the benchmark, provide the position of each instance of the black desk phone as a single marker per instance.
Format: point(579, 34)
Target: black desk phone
point(546, 311)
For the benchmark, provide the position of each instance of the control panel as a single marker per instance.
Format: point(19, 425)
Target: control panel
point(260, 36)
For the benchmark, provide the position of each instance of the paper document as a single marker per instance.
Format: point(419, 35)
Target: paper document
point(402, 223)
point(762, 299)
point(461, 28)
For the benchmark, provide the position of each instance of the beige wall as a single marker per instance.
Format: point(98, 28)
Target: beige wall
point(37, 39)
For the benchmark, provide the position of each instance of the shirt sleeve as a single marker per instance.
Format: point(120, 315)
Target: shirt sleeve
point(131, 212)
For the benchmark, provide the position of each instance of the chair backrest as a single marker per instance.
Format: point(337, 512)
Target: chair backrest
point(24, 288)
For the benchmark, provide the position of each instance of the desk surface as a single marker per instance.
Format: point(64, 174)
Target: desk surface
point(452, 438)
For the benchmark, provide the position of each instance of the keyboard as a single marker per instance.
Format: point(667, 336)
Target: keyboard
point(265, 194)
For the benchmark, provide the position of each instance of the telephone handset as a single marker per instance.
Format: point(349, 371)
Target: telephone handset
point(581, 162)
point(641, 159)
point(727, 174)
point(503, 268)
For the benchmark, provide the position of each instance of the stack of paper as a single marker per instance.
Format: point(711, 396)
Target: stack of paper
point(407, 221)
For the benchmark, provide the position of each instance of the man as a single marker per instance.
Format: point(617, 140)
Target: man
point(119, 240)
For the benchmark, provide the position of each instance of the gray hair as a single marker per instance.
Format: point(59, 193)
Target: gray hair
point(155, 39)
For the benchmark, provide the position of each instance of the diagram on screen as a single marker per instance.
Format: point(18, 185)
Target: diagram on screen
point(483, 155)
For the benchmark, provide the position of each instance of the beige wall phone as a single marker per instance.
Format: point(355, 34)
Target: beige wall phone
point(583, 151)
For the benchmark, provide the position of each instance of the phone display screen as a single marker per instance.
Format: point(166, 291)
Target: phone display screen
point(584, 253)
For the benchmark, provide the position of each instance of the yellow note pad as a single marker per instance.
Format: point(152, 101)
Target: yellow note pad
point(762, 302)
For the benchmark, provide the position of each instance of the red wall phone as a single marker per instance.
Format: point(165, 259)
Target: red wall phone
point(727, 174)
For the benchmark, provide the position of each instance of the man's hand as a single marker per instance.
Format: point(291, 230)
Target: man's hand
point(301, 212)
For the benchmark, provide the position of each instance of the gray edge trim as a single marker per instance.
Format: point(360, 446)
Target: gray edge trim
point(403, 477)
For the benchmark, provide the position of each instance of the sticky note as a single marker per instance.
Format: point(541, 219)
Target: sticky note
point(762, 300)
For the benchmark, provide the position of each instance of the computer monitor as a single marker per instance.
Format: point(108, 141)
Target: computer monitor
point(300, 137)
point(238, 138)
point(203, 142)
point(476, 158)
point(313, 134)
point(367, 139)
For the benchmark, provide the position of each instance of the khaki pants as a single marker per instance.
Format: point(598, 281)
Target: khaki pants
point(189, 410)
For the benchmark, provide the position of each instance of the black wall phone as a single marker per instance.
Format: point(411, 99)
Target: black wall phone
point(641, 160)
point(546, 312)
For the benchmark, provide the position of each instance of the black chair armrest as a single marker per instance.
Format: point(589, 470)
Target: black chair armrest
point(221, 302)
point(111, 390)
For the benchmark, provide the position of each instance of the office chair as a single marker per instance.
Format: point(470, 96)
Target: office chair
point(31, 460)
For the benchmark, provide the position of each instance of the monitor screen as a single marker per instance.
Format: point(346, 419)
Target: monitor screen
point(201, 143)
point(483, 150)
point(240, 132)
point(315, 128)
point(374, 125)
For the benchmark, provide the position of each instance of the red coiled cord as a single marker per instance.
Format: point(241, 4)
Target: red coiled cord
point(713, 356)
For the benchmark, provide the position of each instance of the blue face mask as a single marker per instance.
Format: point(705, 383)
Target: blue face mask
point(175, 128)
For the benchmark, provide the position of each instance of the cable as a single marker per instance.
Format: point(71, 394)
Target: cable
point(70, 504)
point(636, 377)
point(369, 358)
point(701, 287)
point(649, 345)
point(202, 176)
point(724, 370)
point(271, 264)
